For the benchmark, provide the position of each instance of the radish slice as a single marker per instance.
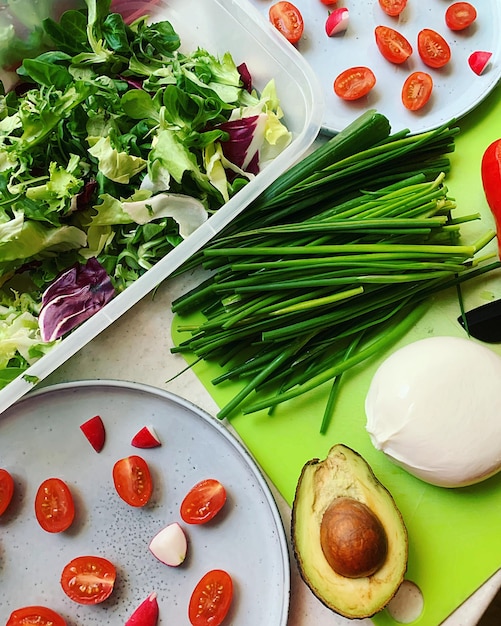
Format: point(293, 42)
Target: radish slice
point(478, 61)
point(93, 429)
point(337, 22)
point(170, 545)
point(146, 613)
point(146, 438)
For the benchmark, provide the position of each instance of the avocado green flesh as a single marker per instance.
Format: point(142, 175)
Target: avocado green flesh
point(346, 473)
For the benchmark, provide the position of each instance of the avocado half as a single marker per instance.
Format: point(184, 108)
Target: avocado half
point(348, 536)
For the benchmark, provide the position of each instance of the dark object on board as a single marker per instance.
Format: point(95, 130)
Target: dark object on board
point(484, 322)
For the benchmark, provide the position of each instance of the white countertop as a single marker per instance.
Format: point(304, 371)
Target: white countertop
point(137, 348)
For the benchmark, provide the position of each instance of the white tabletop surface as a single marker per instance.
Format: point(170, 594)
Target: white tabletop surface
point(136, 348)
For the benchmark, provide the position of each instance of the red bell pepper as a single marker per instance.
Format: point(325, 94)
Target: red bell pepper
point(491, 181)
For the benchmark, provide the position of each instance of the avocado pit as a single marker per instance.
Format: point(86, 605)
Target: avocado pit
point(353, 539)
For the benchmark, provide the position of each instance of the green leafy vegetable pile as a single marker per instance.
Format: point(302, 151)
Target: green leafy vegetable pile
point(333, 263)
point(112, 146)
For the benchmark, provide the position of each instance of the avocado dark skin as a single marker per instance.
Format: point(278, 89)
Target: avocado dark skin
point(349, 538)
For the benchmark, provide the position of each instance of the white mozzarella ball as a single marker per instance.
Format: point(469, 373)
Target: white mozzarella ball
point(434, 408)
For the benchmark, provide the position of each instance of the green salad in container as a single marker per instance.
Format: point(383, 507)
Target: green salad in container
point(115, 145)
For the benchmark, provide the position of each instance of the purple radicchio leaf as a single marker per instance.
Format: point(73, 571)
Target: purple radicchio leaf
point(134, 83)
point(245, 76)
point(84, 198)
point(246, 136)
point(130, 10)
point(73, 297)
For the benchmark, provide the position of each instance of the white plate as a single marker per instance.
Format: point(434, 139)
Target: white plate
point(457, 89)
point(40, 437)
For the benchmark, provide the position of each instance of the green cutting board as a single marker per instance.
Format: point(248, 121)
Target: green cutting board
point(454, 534)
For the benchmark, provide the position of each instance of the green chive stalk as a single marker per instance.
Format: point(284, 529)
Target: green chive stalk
point(331, 265)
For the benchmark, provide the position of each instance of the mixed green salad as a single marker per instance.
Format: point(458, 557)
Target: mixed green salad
point(114, 146)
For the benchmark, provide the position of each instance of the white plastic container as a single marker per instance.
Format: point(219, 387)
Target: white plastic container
point(218, 26)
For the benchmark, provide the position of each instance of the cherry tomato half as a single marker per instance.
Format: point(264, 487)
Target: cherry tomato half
point(6, 490)
point(54, 507)
point(211, 599)
point(132, 480)
point(88, 579)
point(393, 46)
point(354, 83)
point(287, 19)
point(417, 90)
point(203, 501)
point(460, 15)
point(39, 615)
point(433, 49)
point(393, 7)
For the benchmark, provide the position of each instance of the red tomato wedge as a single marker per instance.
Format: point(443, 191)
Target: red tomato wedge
point(393, 7)
point(203, 501)
point(132, 480)
point(146, 613)
point(433, 49)
point(287, 19)
point(417, 90)
point(6, 490)
point(328, 2)
point(94, 430)
point(54, 506)
point(354, 83)
point(460, 15)
point(88, 579)
point(393, 46)
point(211, 599)
point(36, 616)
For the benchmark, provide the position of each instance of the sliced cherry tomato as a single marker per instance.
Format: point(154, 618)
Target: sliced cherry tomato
point(328, 2)
point(354, 83)
point(6, 490)
point(393, 46)
point(88, 579)
point(132, 480)
point(203, 501)
point(54, 506)
point(211, 599)
point(417, 90)
point(393, 7)
point(36, 616)
point(433, 49)
point(287, 19)
point(460, 15)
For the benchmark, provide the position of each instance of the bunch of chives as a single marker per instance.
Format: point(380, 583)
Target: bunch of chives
point(331, 265)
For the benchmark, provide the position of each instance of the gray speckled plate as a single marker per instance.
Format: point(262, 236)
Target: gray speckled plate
point(40, 437)
point(457, 89)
